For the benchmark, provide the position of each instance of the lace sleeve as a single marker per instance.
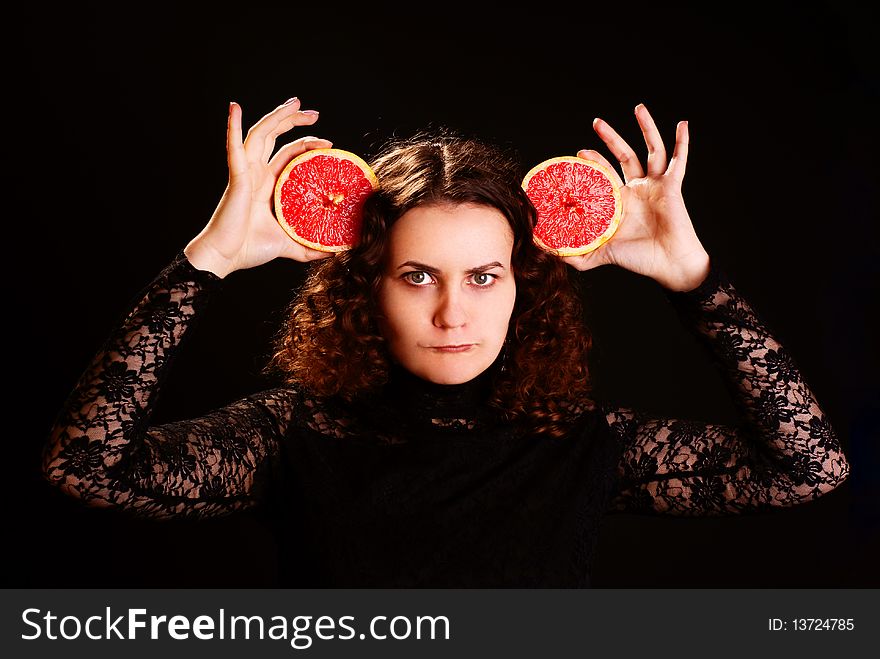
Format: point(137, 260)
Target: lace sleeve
point(101, 448)
point(785, 452)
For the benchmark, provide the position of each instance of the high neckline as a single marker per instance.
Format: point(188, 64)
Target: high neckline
point(431, 405)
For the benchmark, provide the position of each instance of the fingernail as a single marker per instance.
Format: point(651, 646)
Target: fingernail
point(596, 121)
point(289, 101)
point(314, 112)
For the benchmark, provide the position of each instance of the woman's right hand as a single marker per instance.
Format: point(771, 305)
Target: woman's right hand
point(243, 232)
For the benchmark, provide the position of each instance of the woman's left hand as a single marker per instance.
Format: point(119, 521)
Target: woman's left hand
point(656, 237)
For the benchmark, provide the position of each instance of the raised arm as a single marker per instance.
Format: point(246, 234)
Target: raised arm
point(102, 448)
point(785, 452)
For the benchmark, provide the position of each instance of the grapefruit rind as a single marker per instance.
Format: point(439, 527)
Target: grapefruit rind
point(282, 178)
point(613, 224)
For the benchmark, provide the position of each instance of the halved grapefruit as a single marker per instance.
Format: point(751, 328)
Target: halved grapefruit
point(319, 198)
point(578, 203)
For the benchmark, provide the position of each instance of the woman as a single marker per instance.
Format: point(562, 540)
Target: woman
point(437, 429)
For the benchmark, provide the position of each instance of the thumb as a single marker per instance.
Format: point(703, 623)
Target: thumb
point(587, 261)
point(299, 252)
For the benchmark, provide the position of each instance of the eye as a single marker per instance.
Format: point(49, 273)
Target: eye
point(484, 279)
point(417, 278)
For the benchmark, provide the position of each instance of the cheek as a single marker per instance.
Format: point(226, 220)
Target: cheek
point(395, 313)
point(502, 309)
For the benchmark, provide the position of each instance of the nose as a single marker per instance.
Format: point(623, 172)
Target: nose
point(450, 311)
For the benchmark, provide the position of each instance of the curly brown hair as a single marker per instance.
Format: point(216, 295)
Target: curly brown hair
point(331, 344)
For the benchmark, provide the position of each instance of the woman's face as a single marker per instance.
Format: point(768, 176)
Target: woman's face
point(447, 282)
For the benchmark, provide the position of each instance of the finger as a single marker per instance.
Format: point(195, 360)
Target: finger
point(591, 154)
point(259, 132)
point(301, 118)
point(622, 151)
point(235, 155)
point(587, 261)
point(298, 252)
point(656, 150)
point(290, 151)
point(260, 139)
point(678, 164)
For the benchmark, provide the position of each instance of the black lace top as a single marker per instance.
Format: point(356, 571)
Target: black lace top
point(421, 485)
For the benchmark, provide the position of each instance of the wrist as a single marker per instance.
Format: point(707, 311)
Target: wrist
point(205, 257)
point(691, 278)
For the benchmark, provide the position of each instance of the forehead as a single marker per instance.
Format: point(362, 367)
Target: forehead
point(466, 234)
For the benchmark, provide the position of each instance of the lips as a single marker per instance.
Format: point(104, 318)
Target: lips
point(461, 347)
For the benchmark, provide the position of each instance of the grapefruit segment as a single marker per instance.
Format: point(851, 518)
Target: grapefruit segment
point(319, 198)
point(578, 204)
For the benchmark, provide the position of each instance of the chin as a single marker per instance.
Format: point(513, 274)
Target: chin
point(451, 379)
point(451, 375)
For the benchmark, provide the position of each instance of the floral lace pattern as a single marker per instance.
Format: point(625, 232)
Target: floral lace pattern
point(785, 453)
point(103, 449)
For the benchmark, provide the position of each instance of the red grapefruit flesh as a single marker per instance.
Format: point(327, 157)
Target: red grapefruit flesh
point(319, 198)
point(578, 203)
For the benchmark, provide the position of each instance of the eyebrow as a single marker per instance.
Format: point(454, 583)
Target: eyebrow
point(436, 271)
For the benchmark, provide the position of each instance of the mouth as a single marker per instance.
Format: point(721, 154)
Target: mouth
point(461, 347)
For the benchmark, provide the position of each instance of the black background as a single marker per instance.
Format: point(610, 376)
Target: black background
point(117, 124)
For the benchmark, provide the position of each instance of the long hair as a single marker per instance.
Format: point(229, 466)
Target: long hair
point(331, 344)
